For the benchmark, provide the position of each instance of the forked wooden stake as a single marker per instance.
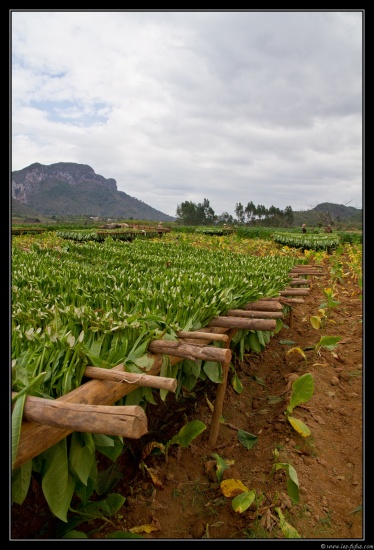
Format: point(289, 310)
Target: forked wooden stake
point(220, 395)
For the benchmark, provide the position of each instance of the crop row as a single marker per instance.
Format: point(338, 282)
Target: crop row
point(101, 304)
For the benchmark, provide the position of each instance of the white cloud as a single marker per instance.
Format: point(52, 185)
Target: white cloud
point(229, 106)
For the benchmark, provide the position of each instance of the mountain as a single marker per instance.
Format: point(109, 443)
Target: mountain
point(70, 189)
point(327, 213)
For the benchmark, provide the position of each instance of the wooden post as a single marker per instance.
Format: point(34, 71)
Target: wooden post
point(220, 395)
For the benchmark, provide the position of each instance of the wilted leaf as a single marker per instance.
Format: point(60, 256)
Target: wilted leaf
point(232, 487)
point(315, 321)
point(296, 350)
point(148, 448)
point(287, 529)
point(299, 426)
point(149, 528)
point(222, 465)
point(153, 475)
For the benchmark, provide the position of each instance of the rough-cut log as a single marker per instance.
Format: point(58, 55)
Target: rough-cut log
point(243, 323)
point(198, 335)
point(292, 301)
point(282, 300)
point(189, 351)
point(128, 421)
point(299, 282)
point(255, 314)
point(36, 438)
point(305, 270)
point(264, 305)
point(159, 382)
point(295, 292)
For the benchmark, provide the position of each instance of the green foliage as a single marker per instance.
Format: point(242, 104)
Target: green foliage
point(292, 479)
point(308, 241)
point(221, 466)
point(242, 502)
point(247, 439)
point(287, 529)
point(302, 391)
point(187, 434)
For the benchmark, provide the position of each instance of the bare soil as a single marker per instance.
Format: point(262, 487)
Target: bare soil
point(184, 500)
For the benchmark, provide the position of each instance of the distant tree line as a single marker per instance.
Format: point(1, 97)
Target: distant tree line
point(190, 213)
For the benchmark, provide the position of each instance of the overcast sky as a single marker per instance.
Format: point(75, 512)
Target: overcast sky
point(231, 106)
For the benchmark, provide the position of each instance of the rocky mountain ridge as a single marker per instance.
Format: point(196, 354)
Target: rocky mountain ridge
point(68, 188)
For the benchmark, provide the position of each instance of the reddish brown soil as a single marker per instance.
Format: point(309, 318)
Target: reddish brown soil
point(186, 501)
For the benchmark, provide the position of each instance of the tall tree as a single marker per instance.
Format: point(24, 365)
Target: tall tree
point(187, 213)
point(239, 211)
point(250, 210)
point(288, 214)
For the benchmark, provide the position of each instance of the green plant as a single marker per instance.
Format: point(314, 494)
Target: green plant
point(302, 391)
point(292, 479)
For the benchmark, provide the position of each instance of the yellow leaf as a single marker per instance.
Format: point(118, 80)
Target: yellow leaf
point(144, 529)
point(315, 321)
point(155, 479)
point(299, 426)
point(296, 350)
point(210, 405)
point(232, 487)
point(148, 448)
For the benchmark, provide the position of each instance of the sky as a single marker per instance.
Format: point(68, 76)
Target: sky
point(232, 106)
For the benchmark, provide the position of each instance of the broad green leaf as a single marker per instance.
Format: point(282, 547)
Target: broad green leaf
point(57, 482)
point(21, 478)
point(242, 502)
point(246, 439)
point(213, 370)
point(101, 440)
point(112, 503)
point(107, 479)
point(17, 415)
point(254, 342)
point(302, 391)
point(292, 479)
point(329, 342)
point(237, 384)
point(188, 433)
point(80, 458)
